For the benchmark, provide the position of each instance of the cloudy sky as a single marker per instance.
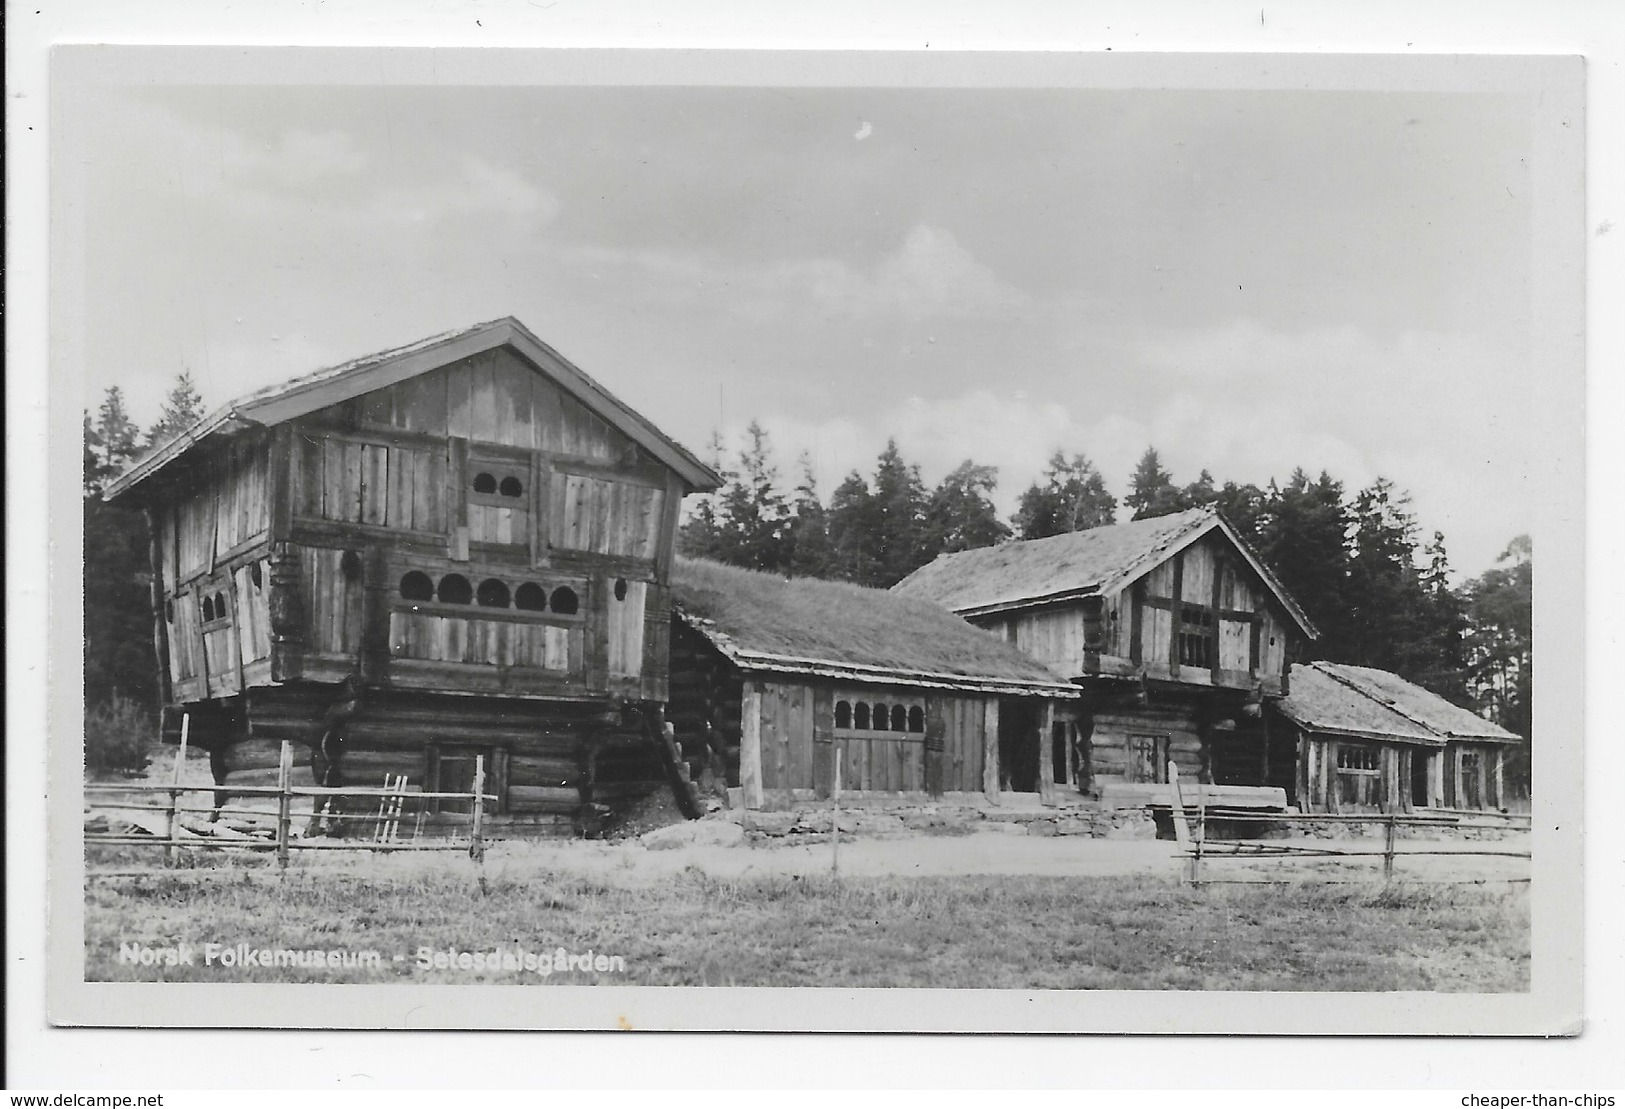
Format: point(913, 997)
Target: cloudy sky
point(1248, 280)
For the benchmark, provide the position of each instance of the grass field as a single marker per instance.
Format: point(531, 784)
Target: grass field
point(693, 929)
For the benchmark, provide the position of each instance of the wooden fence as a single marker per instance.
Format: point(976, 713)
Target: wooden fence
point(389, 803)
point(1191, 827)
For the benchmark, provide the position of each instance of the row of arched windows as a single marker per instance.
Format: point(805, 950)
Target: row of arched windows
point(879, 717)
point(214, 607)
point(455, 589)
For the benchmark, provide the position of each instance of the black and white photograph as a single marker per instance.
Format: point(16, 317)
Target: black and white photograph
point(817, 541)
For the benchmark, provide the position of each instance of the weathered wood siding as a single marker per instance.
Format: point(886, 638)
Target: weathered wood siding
point(1370, 776)
point(872, 760)
point(1120, 740)
point(1134, 629)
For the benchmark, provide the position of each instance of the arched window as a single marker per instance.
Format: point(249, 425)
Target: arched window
point(564, 601)
point(255, 575)
point(208, 608)
point(620, 589)
point(530, 597)
point(492, 594)
point(916, 719)
point(220, 609)
point(485, 483)
point(511, 487)
point(860, 718)
point(455, 590)
point(350, 565)
point(899, 718)
point(416, 586)
point(843, 714)
point(882, 717)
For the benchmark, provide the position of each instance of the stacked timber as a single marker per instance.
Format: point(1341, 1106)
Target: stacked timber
point(705, 709)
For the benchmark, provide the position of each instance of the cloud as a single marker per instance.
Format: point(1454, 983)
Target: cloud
point(929, 275)
point(297, 160)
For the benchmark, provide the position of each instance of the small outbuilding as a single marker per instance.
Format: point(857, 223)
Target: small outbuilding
point(772, 679)
point(1370, 741)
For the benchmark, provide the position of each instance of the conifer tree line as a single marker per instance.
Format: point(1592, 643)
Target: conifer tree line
point(1359, 563)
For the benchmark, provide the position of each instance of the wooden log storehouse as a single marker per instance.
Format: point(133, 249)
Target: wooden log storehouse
point(1175, 634)
point(457, 548)
point(772, 677)
point(1370, 741)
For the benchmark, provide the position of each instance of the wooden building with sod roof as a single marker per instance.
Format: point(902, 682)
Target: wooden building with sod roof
point(772, 677)
point(1370, 741)
point(1174, 633)
point(458, 548)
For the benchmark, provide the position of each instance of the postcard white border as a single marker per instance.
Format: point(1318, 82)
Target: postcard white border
point(1549, 1008)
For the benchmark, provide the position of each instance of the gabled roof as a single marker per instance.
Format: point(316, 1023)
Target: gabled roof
point(1078, 564)
point(1339, 699)
point(764, 623)
point(279, 403)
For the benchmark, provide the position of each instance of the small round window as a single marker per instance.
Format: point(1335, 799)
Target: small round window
point(455, 590)
point(485, 483)
point(492, 593)
point(843, 714)
point(416, 586)
point(860, 717)
point(530, 597)
point(564, 601)
point(620, 589)
point(899, 718)
point(916, 719)
point(511, 487)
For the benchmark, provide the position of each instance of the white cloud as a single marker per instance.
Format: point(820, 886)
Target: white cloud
point(929, 275)
point(297, 160)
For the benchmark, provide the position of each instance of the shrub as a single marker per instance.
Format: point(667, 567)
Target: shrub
point(116, 736)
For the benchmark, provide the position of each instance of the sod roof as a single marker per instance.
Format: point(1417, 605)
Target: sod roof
point(1359, 701)
point(763, 622)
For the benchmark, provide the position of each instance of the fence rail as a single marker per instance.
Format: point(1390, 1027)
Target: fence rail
point(1191, 826)
point(282, 840)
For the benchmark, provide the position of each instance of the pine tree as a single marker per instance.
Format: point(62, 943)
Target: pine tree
point(811, 553)
point(960, 515)
point(701, 533)
point(899, 515)
point(755, 518)
point(1500, 650)
point(182, 408)
point(1071, 497)
point(1151, 488)
point(853, 531)
point(119, 661)
point(1303, 535)
point(1386, 620)
point(1246, 507)
point(112, 444)
point(1442, 659)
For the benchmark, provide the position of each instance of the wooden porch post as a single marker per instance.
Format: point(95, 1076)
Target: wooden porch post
point(990, 748)
point(1046, 755)
point(750, 745)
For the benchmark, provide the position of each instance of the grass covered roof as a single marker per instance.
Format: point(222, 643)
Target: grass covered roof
point(805, 625)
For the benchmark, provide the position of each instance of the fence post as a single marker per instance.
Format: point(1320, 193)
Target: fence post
point(1177, 814)
point(1388, 848)
point(835, 818)
point(1201, 833)
point(476, 844)
point(175, 790)
point(284, 803)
